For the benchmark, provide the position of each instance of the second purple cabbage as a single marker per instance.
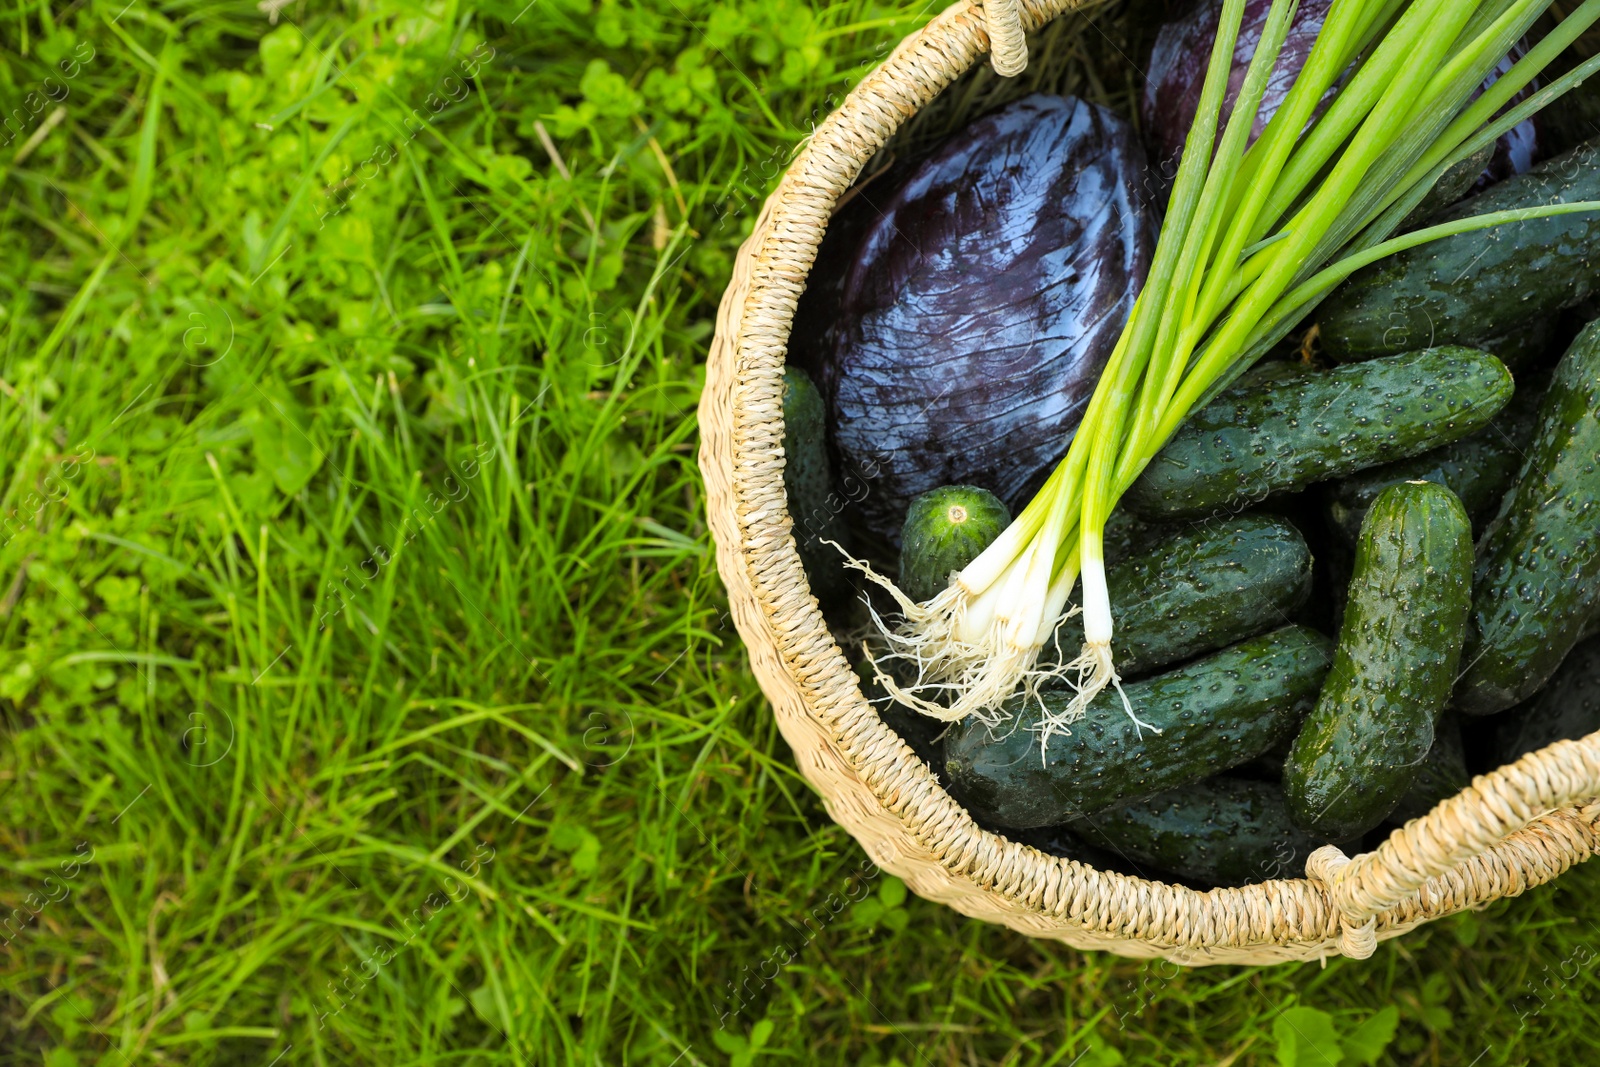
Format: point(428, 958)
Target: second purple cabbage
point(1177, 74)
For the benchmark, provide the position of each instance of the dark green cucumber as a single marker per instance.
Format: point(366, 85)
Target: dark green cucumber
point(1441, 774)
point(1538, 576)
point(1250, 443)
point(1399, 645)
point(1564, 710)
point(1213, 714)
point(1478, 469)
point(946, 529)
point(1474, 286)
point(807, 480)
point(1224, 832)
point(1187, 591)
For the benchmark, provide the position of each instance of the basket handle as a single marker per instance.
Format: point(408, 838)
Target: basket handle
point(1493, 807)
point(1008, 50)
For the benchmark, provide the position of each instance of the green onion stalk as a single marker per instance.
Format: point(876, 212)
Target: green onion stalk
point(1254, 237)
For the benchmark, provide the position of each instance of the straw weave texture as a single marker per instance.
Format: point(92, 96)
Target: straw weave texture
point(1509, 831)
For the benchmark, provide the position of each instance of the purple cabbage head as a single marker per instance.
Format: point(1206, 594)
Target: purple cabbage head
point(984, 298)
point(1177, 73)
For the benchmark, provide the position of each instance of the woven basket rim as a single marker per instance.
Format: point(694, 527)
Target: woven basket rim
point(1513, 829)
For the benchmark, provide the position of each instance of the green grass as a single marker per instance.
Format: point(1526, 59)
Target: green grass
point(368, 686)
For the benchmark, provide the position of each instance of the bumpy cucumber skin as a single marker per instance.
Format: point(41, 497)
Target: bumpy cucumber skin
point(1199, 588)
point(1478, 469)
point(1566, 709)
point(1441, 775)
point(1538, 576)
point(807, 480)
point(1225, 832)
point(1250, 443)
point(946, 529)
point(1469, 288)
point(1213, 714)
point(1399, 646)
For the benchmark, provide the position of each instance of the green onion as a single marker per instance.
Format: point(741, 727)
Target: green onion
point(1254, 237)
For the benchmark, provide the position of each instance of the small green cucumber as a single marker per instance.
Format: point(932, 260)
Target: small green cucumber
point(1213, 714)
point(1250, 443)
point(946, 529)
point(807, 480)
point(1441, 774)
point(1399, 645)
point(1478, 469)
point(1187, 591)
point(1223, 832)
point(1474, 286)
point(1538, 576)
point(1565, 710)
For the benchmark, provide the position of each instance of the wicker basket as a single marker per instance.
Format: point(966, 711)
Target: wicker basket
point(1518, 827)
